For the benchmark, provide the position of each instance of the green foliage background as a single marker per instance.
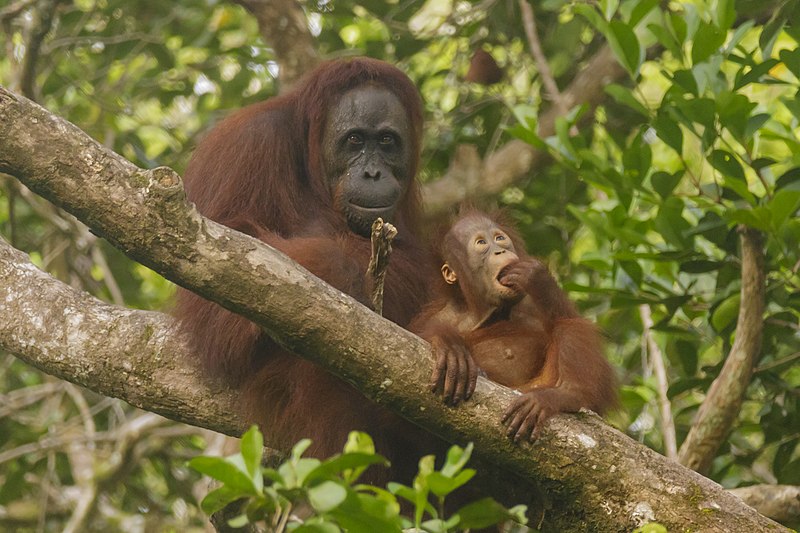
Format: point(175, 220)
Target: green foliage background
point(636, 205)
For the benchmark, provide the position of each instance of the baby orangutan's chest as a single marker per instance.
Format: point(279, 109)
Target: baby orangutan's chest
point(511, 353)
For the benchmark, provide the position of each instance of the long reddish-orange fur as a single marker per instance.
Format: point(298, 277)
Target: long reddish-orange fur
point(559, 354)
point(260, 171)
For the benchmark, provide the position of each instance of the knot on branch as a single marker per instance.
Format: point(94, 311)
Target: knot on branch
point(164, 178)
point(162, 181)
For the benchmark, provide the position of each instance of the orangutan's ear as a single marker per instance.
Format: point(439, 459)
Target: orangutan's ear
point(449, 274)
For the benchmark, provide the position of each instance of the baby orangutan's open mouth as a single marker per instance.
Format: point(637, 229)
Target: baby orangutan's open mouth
point(503, 272)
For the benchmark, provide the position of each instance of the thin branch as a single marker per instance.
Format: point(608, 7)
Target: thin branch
point(109, 280)
point(14, 9)
point(664, 406)
point(542, 65)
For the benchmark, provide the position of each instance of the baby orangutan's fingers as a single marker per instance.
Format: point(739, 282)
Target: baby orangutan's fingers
point(452, 379)
point(439, 370)
point(525, 417)
point(473, 377)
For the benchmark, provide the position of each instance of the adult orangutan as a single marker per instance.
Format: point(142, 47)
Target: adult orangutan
point(308, 172)
point(501, 312)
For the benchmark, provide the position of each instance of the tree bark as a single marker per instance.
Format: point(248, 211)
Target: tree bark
point(133, 355)
point(588, 476)
point(779, 502)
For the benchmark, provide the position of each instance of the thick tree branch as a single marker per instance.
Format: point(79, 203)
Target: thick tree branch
point(590, 476)
point(118, 352)
point(779, 502)
point(529, 24)
point(724, 399)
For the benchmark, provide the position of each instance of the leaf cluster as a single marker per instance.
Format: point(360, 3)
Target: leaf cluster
point(329, 489)
point(700, 141)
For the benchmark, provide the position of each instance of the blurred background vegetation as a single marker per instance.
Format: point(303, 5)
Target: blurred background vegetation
point(646, 132)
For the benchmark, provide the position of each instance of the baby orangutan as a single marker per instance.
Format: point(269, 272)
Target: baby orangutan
point(502, 313)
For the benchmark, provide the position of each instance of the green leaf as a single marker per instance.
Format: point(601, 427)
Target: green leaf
point(679, 28)
point(789, 474)
point(724, 14)
point(624, 96)
point(609, 8)
point(783, 205)
point(480, 514)
point(686, 352)
point(791, 58)
point(669, 131)
point(239, 521)
point(793, 105)
point(317, 527)
point(403, 491)
point(224, 470)
point(726, 312)
point(755, 123)
point(359, 442)
point(753, 75)
point(685, 80)
point(741, 31)
point(769, 34)
point(364, 513)
point(626, 47)
point(755, 218)
point(591, 14)
point(300, 448)
point(636, 159)
point(669, 222)
point(252, 452)
point(456, 458)
point(326, 496)
point(789, 180)
point(349, 465)
point(294, 472)
point(732, 174)
point(707, 40)
point(436, 525)
point(524, 134)
point(442, 485)
point(727, 164)
point(700, 111)
point(734, 111)
point(218, 498)
point(666, 39)
point(633, 270)
point(642, 9)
